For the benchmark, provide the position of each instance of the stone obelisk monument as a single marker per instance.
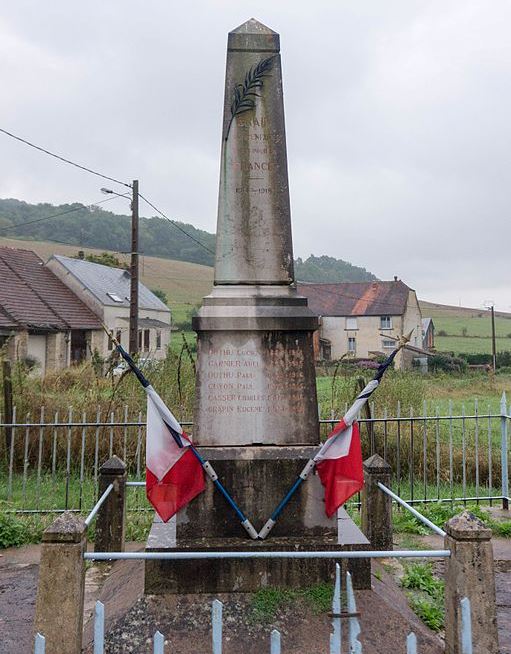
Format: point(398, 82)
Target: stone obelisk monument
point(256, 415)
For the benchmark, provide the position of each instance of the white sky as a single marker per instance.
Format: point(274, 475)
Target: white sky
point(397, 116)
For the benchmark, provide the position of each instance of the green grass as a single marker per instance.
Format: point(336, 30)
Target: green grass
point(468, 345)
point(267, 602)
point(426, 594)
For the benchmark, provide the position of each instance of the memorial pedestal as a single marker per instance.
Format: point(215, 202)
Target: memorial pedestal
point(250, 575)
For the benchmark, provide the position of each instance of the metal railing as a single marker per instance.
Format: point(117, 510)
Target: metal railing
point(340, 640)
point(53, 465)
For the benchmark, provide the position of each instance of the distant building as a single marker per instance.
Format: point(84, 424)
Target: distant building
point(41, 319)
point(106, 290)
point(359, 319)
point(428, 334)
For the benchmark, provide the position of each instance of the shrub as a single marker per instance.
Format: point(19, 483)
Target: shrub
point(446, 363)
point(441, 332)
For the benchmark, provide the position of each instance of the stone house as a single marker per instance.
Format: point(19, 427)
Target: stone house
point(106, 290)
point(41, 320)
point(359, 319)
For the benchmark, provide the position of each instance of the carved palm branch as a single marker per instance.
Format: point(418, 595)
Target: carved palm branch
point(245, 94)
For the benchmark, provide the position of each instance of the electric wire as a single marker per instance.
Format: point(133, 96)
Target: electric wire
point(56, 215)
point(176, 225)
point(57, 156)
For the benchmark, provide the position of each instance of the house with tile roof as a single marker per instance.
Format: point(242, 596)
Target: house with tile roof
point(106, 290)
point(41, 319)
point(362, 319)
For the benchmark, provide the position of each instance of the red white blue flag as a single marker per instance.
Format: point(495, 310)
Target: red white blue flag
point(174, 475)
point(339, 461)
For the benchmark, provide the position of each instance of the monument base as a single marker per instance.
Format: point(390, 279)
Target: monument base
point(249, 575)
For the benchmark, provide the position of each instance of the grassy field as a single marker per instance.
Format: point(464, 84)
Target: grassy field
point(467, 330)
point(184, 283)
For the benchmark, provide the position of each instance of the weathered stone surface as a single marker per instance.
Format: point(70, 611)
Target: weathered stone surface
point(111, 517)
point(469, 572)
point(60, 591)
point(258, 478)
point(255, 388)
point(376, 505)
point(254, 228)
point(249, 575)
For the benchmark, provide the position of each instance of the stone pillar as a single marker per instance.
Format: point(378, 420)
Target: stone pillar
point(61, 587)
point(469, 572)
point(111, 518)
point(377, 505)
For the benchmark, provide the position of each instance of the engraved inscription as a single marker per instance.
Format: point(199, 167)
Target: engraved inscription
point(239, 381)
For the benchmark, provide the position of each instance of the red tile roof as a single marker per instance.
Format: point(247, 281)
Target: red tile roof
point(32, 296)
point(356, 298)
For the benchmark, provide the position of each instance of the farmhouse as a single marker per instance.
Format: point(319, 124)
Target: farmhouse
point(105, 290)
point(359, 319)
point(41, 320)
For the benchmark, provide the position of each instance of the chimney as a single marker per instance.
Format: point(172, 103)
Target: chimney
point(395, 278)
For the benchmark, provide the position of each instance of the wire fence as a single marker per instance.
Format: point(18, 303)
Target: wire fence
point(51, 462)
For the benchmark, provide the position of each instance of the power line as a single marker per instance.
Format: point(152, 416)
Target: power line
point(56, 215)
point(68, 161)
point(176, 225)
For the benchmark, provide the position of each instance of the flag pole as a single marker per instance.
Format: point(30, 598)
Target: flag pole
point(311, 463)
point(206, 465)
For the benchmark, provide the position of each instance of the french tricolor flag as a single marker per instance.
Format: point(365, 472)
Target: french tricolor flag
point(174, 475)
point(339, 461)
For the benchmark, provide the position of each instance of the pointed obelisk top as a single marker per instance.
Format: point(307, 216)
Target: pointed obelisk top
point(253, 26)
point(253, 36)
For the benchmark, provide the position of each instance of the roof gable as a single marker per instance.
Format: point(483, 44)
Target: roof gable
point(32, 296)
point(111, 286)
point(356, 298)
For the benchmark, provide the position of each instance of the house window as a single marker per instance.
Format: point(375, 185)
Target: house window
point(352, 344)
point(139, 339)
point(385, 322)
point(388, 344)
point(351, 323)
point(114, 297)
point(158, 339)
point(146, 340)
point(110, 341)
point(118, 335)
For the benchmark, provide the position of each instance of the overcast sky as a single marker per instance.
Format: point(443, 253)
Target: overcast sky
point(397, 113)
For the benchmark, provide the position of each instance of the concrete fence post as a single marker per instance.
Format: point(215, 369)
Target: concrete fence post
point(110, 521)
point(377, 505)
point(469, 572)
point(61, 586)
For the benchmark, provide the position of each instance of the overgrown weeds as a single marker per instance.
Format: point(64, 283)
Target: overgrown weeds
point(426, 594)
point(267, 602)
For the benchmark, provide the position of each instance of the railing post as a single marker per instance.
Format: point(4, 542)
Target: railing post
point(469, 572)
point(110, 521)
point(61, 586)
point(504, 452)
point(377, 505)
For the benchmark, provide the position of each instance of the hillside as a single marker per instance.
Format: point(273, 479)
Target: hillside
point(184, 283)
point(95, 227)
point(465, 330)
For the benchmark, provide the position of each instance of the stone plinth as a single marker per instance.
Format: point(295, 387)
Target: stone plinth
point(249, 575)
point(258, 477)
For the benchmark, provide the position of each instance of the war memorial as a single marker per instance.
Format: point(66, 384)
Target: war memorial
point(256, 428)
point(256, 412)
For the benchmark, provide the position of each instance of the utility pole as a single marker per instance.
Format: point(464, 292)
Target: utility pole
point(133, 341)
point(493, 348)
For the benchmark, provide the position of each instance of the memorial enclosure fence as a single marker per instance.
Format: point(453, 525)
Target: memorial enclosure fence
point(50, 462)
